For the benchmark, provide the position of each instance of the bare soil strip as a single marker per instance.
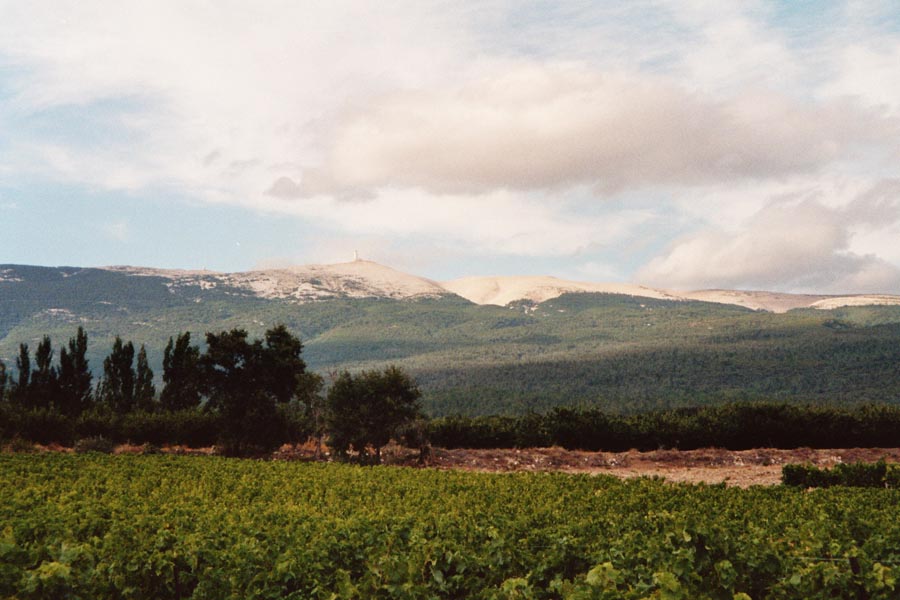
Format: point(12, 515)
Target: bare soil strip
point(760, 466)
point(743, 468)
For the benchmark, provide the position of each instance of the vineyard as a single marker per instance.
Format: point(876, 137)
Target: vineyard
point(98, 526)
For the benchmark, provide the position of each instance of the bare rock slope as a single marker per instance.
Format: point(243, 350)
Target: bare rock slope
point(367, 279)
point(307, 283)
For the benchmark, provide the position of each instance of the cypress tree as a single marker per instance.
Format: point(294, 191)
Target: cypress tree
point(75, 378)
point(116, 388)
point(181, 374)
point(21, 388)
point(3, 379)
point(144, 390)
point(43, 378)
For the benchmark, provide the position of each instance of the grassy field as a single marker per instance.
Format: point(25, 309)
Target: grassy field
point(97, 526)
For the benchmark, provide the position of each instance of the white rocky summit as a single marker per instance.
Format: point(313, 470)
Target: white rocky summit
point(366, 279)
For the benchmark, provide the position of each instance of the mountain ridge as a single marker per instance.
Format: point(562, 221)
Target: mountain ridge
point(367, 279)
point(615, 351)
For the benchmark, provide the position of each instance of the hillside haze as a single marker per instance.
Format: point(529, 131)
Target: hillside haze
point(482, 345)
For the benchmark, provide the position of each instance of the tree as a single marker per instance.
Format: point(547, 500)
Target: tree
point(233, 381)
point(369, 409)
point(116, 388)
point(144, 390)
point(44, 378)
point(75, 378)
point(244, 382)
point(181, 374)
point(21, 388)
point(309, 393)
point(3, 380)
point(282, 365)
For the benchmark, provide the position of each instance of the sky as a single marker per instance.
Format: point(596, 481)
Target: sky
point(679, 144)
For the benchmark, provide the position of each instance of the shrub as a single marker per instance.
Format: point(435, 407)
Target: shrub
point(20, 445)
point(859, 474)
point(94, 444)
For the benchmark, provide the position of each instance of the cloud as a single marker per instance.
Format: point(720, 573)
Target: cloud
point(554, 126)
point(499, 222)
point(482, 127)
point(789, 245)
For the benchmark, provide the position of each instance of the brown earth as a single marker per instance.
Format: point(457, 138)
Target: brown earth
point(743, 468)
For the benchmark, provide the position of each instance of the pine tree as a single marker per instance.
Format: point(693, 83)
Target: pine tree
point(75, 378)
point(144, 390)
point(116, 388)
point(181, 374)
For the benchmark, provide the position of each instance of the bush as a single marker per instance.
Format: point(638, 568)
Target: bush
point(94, 444)
point(737, 426)
point(37, 425)
point(859, 474)
point(20, 445)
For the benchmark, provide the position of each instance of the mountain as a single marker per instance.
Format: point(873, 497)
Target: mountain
point(489, 345)
point(308, 283)
point(503, 290)
point(367, 279)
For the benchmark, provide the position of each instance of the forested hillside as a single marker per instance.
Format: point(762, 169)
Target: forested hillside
point(618, 353)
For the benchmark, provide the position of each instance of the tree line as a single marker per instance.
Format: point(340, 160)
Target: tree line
point(249, 396)
point(735, 426)
point(245, 395)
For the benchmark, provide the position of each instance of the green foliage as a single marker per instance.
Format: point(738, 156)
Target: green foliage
point(870, 475)
point(116, 388)
point(43, 388)
point(181, 374)
point(144, 390)
point(736, 426)
point(616, 353)
point(245, 381)
point(75, 378)
point(163, 527)
point(369, 409)
point(190, 427)
point(94, 444)
point(21, 392)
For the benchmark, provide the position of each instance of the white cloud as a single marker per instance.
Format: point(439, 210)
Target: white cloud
point(790, 245)
point(553, 126)
point(500, 222)
point(476, 126)
point(870, 73)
